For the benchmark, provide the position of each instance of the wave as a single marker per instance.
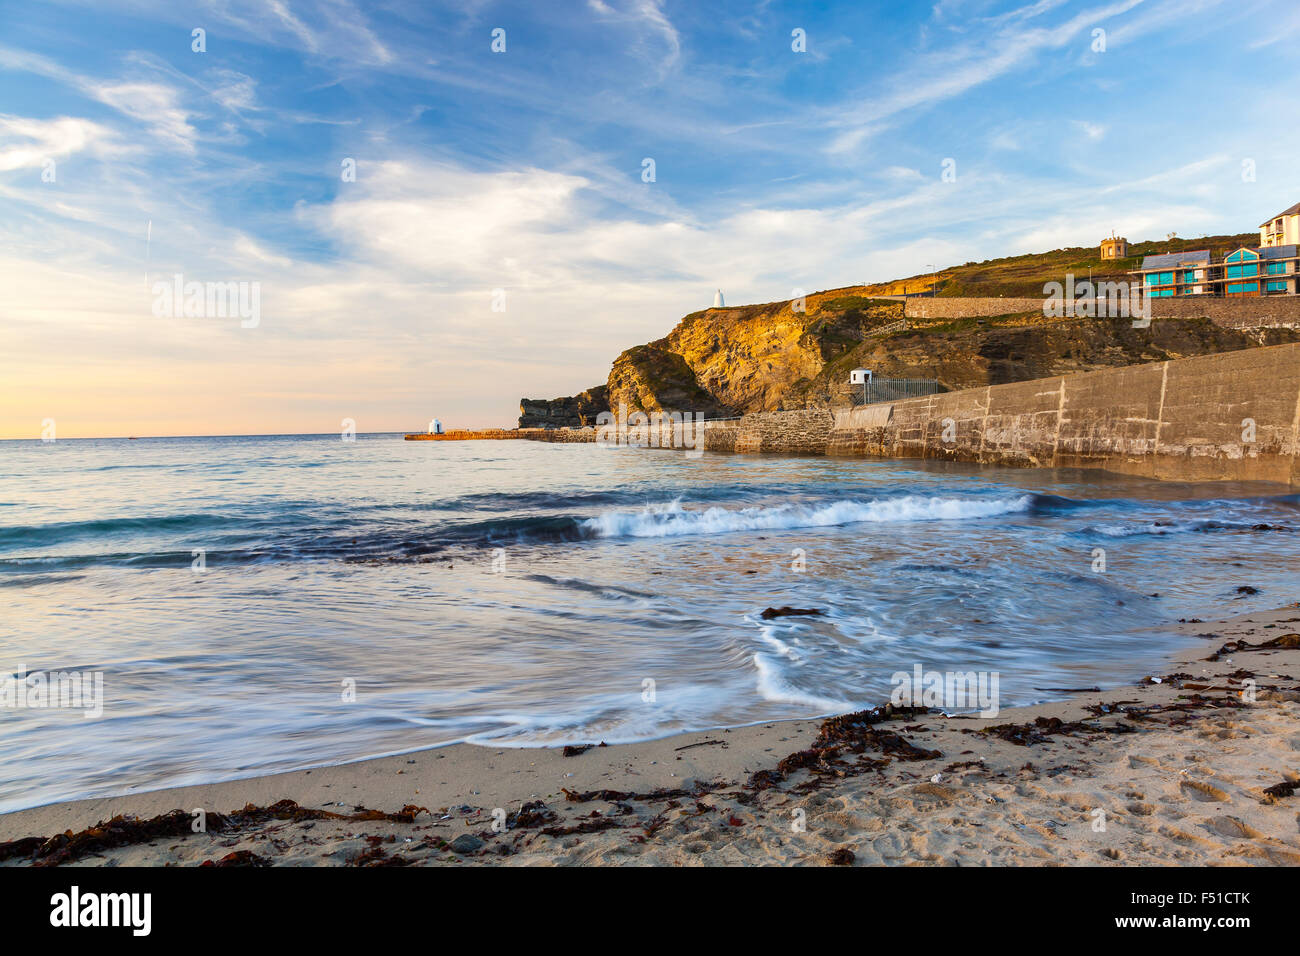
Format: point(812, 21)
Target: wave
point(1130, 529)
point(771, 685)
point(298, 530)
point(672, 520)
point(1057, 504)
point(34, 580)
point(613, 591)
point(576, 498)
point(62, 532)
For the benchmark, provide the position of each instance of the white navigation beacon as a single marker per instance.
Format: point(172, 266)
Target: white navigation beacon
point(718, 302)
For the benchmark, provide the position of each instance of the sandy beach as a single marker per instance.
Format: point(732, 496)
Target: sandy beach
point(1178, 768)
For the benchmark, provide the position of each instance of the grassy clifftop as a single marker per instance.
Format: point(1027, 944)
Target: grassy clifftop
point(1025, 275)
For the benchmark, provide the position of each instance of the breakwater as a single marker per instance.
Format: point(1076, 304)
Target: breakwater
point(1230, 416)
point(506, 434)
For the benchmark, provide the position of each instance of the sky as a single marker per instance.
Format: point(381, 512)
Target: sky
point(435, 209)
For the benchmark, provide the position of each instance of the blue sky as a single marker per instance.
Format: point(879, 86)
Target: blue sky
point(521, 171)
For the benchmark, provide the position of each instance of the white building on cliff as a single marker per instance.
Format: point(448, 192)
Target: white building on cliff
point(718, 302)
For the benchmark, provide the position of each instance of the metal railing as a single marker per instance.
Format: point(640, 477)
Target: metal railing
point(899, 326)
point(892, 390)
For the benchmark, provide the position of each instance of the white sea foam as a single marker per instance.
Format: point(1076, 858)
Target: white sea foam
point(671, 519)
point(1132, 529)
point(772, 686)
point(778, 645)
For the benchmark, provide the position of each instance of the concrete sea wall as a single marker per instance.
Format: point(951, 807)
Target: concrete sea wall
point(1232, 416)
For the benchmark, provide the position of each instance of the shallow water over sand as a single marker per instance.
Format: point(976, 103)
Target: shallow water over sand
point(525, 593)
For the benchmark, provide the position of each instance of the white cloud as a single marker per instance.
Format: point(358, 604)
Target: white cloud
point(26, 142)
point(656, 39)
point(902, 174)
point(294, 25)
point(235, 91)
point(1093, 131)
point(153, 104)
point(945, 74)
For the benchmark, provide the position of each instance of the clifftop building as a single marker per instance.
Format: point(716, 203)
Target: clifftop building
point(1269, 269)
point(1282, 230)
point(1243, 273)
point(1114, 248)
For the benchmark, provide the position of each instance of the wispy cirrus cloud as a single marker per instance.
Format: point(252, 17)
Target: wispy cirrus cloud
point(154, 105)
point(654, 38)
point(955, 70)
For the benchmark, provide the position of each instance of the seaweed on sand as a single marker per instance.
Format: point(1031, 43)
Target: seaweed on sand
point(1279, 790)
point(586, 826)
point(376, 855)
point(125, 830)
point(1281, 642)
point(117, 832)
point(1025, 735)
point(853, 733)
point(622, 796)
point(238, 858)
point(530, 816)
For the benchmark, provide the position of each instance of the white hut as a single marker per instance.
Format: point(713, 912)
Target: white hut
point(861, 377)
point(718, 302)
point(435, 427)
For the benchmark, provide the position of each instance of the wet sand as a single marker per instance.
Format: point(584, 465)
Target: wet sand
point(1171, 772)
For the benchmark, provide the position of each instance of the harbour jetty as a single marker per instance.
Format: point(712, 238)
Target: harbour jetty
point(504, 434)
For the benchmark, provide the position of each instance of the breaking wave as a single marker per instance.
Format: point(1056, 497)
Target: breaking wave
point(671, 519)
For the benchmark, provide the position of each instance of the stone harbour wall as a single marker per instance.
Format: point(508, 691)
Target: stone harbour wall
point(1272, 312)
point(1229, 416)
point(504, 434)
point(1278, 311)
point(1232, 416)
point(798, 432)
point(924, 307)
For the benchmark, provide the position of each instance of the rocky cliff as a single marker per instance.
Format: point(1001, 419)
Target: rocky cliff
point(729, 361)
point(573, 412)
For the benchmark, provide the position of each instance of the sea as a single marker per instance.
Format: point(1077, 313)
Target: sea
point(259, 604)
